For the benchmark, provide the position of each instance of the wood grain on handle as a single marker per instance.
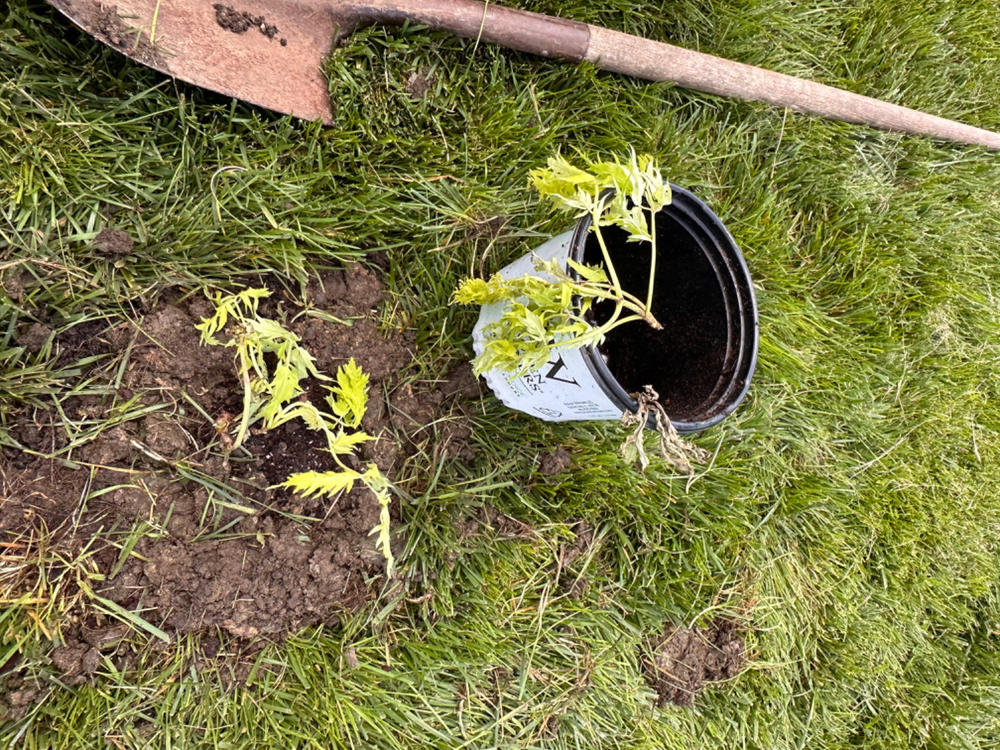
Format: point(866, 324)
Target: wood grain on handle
point(656, 61)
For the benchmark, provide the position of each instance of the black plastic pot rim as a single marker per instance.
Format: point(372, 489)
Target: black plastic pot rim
point(746, 361)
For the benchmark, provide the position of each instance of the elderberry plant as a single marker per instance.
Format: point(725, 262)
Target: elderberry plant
point(548, 313)
point(274, 395)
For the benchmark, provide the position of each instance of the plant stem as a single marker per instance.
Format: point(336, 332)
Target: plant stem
point(622, 297)
point(247, 397)
point(652, 264)
point(603, 330)
point(598, 292)
point(622, 321)
point(612, 274)
point(595, 219)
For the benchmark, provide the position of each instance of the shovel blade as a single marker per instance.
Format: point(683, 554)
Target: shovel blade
point(267, 52)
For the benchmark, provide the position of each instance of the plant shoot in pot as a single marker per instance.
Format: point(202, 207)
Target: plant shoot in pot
point(550, 312)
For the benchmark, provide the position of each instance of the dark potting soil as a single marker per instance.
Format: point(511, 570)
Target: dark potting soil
point(678, 663)
point(202, 565)
point(684, 361)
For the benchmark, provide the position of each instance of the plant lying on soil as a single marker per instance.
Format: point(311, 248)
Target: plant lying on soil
point(548, 314)
point(274, 396)
point(122, 507)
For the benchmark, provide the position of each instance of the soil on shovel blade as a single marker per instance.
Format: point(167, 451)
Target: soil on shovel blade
point(684, 361)
point(102, 21)
point(167, 524)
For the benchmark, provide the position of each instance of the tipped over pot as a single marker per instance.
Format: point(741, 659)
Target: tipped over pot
point(700, 363)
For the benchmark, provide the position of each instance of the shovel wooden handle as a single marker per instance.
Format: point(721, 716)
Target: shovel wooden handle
point(653, 61)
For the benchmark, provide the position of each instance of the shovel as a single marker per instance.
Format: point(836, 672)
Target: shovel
point(271, 53)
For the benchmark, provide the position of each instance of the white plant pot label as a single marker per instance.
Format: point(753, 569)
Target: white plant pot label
point(565, 389)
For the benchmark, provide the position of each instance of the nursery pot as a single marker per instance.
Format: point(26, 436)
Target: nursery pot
point(702, 360)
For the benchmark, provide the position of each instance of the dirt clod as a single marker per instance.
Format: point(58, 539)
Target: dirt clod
point(16, 703)
point(680, 662)
point(165, 436)
point(240, 21)
point(76, 662)
point(420, 83)
point(113, 242)
point(34, 336)
point(583, 540)
point(554, 462)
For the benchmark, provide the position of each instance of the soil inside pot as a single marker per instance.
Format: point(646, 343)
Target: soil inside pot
point(685, 360)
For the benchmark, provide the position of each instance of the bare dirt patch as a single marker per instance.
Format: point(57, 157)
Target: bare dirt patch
point(214, 547)
point(680, 662)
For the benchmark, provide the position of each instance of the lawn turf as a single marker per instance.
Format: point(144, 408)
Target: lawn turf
point(849, 518)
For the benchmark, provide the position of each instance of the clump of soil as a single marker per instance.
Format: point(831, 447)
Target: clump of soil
point(113, 242)
point(239, 21)
point(680, 662)
point(554, 462)
point(17, 701)
point(583, 544)
point(33, 337)
point(220, 550)
point(419, 83)
point(104, 22)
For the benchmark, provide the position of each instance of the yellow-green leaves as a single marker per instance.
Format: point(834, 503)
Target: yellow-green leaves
point(234, 305)
point(329, 483)
point(304, 410)
point(266, 388)
point(334, 483)
point(271, 365)
point(639, 189)
point(349, 398)
point(567, 185)
point(542, 315)
point(539, 319)
point(482, 291)
point(593, 274)
point(379, 486)
point(343, 443)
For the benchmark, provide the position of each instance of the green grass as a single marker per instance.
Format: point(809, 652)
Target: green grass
point(849, 518)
